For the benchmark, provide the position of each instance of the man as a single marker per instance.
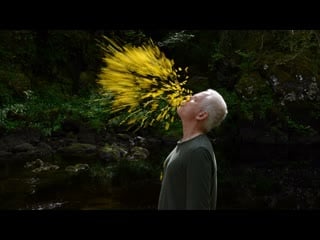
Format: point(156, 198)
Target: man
point(190, 170)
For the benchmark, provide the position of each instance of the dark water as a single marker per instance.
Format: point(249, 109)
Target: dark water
point(250, 176)
point(22, 189)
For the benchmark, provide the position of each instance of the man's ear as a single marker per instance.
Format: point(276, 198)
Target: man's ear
point(202, 115)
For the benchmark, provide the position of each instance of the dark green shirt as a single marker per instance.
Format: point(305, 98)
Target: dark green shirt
point(190, 176)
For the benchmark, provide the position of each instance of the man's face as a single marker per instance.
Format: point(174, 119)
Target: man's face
point(190, 109)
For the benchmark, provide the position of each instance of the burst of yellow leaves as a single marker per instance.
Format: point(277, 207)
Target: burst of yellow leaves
point(144, 83)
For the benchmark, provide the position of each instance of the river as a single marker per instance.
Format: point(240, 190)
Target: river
point(249, 177)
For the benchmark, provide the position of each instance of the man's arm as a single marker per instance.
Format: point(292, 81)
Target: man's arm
point(199, 178)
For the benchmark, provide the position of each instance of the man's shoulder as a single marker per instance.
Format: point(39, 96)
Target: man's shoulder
point(203, 141)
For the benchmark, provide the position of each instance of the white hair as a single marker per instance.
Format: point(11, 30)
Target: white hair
point(216, 108)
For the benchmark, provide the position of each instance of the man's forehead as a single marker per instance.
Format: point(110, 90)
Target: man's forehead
point(201, 94)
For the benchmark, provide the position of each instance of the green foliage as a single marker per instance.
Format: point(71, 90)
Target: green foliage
point(299, 128)
point(247, 63)
point(48, 112)
point(315, 113)
point(231, 56)
point(96, 110)
point(215, 57)
point(135, 37)
point(13, 83)
point(16, 49)
point(296, 40)
point(175, 38)
point(9, 115)
point(256, 108)
point(188, 48)
point(6, 94)
point(64, 45)
point(43, 113)
point(248, 109)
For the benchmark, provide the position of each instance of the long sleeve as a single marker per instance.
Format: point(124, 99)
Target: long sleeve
point(190, 179)
point(199, 180)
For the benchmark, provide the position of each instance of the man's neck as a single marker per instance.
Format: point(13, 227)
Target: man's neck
point(190, 133)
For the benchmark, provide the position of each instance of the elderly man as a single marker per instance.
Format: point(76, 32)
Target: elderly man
point(190, 170)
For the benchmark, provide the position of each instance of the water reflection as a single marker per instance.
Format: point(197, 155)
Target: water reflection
point(250, 176)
